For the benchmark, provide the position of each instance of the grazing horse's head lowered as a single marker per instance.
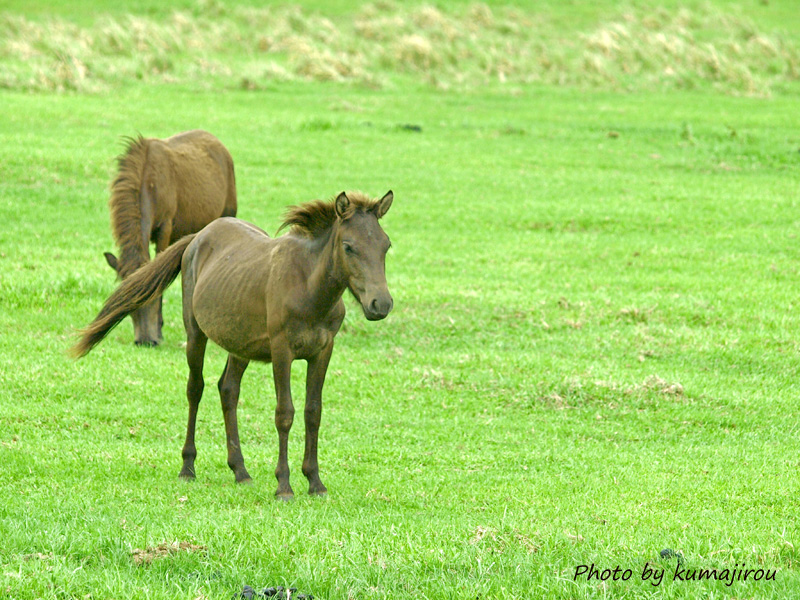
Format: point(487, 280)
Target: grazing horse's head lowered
point(267, 300)
point(147, 321)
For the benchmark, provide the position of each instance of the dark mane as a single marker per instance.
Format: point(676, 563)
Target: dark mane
point(126, 215)
point(312, 219)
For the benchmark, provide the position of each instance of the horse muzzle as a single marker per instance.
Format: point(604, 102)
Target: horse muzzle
point(377, 308)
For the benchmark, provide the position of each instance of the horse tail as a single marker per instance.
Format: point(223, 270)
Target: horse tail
point(134, 292)
point(124, 205)
point(230, 197)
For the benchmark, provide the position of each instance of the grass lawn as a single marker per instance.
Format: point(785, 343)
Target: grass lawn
point(593, 354)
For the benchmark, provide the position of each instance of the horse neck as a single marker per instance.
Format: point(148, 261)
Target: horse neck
point(131, 257)
point(327, 281)
point(131, 228)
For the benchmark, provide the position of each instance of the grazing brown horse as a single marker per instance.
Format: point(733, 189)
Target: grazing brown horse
point(164, 190)
point(268, 300)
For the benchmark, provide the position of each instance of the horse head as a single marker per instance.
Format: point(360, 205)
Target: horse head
point(361, 246)
point(147, 321)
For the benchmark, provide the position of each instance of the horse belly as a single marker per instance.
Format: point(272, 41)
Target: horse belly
point(232, 319)
point(200, 199)
point(193, 215)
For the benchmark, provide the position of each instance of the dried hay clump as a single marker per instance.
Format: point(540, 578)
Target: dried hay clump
point(151, 553)
point(657, 384)
point(415, 51)
point(499, 541)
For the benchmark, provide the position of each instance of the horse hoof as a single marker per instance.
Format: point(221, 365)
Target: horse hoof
point(245, 481)
point(285, 497)
point(184, 476)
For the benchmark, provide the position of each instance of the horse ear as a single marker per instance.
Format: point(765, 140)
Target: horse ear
point(341, 205)
point(382, 207)
point(112, 261)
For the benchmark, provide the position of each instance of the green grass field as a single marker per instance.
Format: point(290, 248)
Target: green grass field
point(593, 354)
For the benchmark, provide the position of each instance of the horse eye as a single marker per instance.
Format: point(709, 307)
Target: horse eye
point(348, 248)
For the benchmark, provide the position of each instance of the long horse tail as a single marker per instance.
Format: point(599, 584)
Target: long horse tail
point(134, 292)
point(124, 205)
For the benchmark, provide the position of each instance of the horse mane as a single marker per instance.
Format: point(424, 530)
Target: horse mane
point(312, 219)
point(126, 213)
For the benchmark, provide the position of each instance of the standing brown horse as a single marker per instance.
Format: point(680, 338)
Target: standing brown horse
point(164, 190)
point(268, 300)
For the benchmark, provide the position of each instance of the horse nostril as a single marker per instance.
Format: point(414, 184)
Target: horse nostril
point(373, 306)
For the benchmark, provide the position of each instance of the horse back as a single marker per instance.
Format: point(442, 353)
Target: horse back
point(190, 180)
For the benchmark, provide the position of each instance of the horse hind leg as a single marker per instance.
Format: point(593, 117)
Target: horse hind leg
point(195, 354)
point(229, 385)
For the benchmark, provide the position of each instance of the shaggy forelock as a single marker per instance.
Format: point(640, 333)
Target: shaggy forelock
point(311, 219)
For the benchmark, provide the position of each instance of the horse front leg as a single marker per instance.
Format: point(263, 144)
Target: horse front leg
point(284, 416)
point(162, 239)
point(315, 379)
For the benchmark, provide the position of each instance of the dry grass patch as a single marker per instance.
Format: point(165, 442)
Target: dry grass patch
point(675, 49)
point(148, 555)
point(497, 542)
point(576, 392)
point(462, 47)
